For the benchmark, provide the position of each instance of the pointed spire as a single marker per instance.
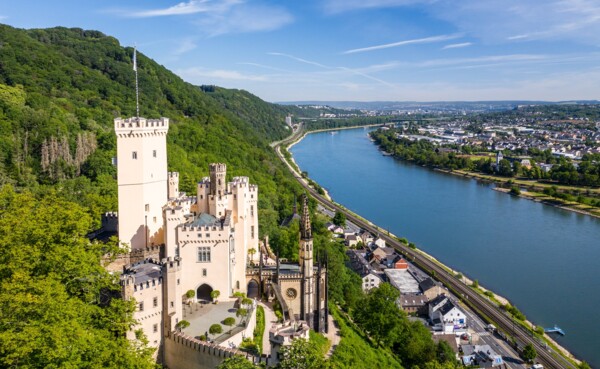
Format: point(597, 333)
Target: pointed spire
point(305, 231)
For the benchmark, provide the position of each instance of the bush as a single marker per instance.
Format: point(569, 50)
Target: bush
point(215, 329)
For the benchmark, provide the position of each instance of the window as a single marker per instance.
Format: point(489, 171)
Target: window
point(208, 235)
point(172, 304)
point(147, 207)
point(252, 231)
point(251, 210)
point(141, 306)
point(201, 197)
point(237, 284)
point(134, 155)
point(155, 328)
point(155, 302)
point(154, 219)
point(204, 273)
point(154, 153)
point(199, 235)
point(178, 281)
point(204, 254)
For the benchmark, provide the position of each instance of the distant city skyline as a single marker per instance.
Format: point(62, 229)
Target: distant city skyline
point(359, 50)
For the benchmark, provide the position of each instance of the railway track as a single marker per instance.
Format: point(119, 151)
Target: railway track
point(483, 307)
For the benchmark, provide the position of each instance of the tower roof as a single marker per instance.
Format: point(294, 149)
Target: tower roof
point(305, 231)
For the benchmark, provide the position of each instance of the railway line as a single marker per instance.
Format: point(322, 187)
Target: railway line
point(483, 307)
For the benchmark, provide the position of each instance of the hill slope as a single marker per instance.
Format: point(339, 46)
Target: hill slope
point(61, 88)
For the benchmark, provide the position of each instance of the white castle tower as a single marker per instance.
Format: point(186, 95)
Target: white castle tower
point(142, 179)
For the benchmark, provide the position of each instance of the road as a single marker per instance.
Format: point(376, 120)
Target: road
point(483, 307)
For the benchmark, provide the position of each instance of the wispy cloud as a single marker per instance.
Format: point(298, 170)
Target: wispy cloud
point(184, 8)
point(3, 17)
point(456, 46)
point(219, 74)
point(425, 40)
point(217, 17)
point(246, 18)
point(339, 6)
point(185, 46)
point(356, 72)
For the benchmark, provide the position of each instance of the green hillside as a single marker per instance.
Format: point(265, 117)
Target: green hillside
point(61, 88)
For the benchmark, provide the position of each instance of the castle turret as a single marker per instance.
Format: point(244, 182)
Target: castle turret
point(218, 201)
point(218, 172)
point(172, 294)
point(306, 265)
point(173, 185)
point(142, 179)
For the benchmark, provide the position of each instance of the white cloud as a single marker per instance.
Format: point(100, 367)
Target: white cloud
point(339, 6)
point(246, 18)
point(202, 74)
point(217, 17)
point(184, 8)
point(405, 42)
point(456, 46)
point(185, 46)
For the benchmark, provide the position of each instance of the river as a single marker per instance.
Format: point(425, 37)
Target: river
point(543, 259)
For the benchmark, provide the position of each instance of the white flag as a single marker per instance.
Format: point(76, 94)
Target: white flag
point(135, 59)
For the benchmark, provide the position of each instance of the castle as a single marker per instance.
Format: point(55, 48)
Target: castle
point(198, 243)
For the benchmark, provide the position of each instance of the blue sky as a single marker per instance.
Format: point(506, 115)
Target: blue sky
point(418, 50)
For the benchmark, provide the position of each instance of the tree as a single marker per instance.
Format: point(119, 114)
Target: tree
point(251, 253)
point(190, 294)
point(339, 219)
point(215, 329)
point(379, 315)
point(229, 321)
point(529, 353)
point(236, 362)
point(183, 324)
point(215, 295)
point(300, 355)
point(241, 312)
point(504, 168)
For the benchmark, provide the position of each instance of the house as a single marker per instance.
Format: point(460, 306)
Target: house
point(445, 314)
point(430, 289)
point(366, 237)
point(401, 264)
point(403, 281)
point(352, 240)
point(414, 303)
point(334, 228)
point(379, 242)
point(370, 280)
point(481, 356)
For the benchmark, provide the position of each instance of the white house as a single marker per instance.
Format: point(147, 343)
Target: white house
point(370, 280)
point(445, 315)
point(379, 242)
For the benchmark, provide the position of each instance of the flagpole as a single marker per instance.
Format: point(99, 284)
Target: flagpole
point(137, 92)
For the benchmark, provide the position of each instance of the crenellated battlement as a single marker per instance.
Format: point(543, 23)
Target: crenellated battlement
point(217, 167)
point(171, 263)
point(174, 175)
point(110, 215)
point(203, 346)
point(141, 125)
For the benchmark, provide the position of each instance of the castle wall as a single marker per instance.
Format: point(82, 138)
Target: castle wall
point(216, 273)
point(185, 352)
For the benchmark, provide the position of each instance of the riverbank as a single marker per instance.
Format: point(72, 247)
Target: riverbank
point(465, 281)
point(530, 195)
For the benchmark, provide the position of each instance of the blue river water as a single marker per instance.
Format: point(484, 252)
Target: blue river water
point(543, 259)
